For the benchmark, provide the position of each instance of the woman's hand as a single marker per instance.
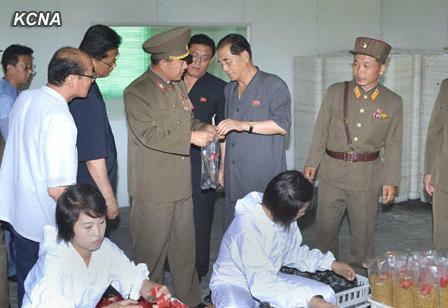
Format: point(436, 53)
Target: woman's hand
point(157, 293)
point(319, 302)
point(344, 270)
point(127, 303)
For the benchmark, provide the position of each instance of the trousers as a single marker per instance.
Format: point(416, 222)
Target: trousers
point(361, 207)
point(165, 231)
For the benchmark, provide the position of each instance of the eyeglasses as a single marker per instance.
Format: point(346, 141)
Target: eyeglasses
point(199, 58)
point(25, 67)
point(114, 62)
point(93, 76)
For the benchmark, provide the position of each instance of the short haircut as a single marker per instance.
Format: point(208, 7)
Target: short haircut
point(11, 54)
point(202, 39)
point(285, 195)
point(237, 42)
point(154, 60)
point(77, 198)
point(65, 61)
point(98, 40)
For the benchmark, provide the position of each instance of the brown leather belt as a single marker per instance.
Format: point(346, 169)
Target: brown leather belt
point(353, 156)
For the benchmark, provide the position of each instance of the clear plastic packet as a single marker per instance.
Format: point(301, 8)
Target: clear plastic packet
point(380, 271)
point(210, 165)
point(442, 276)
point(403, 281)
point(427, 287)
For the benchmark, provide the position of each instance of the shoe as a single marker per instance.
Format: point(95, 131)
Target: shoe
point(13, 278)
point(201, 305)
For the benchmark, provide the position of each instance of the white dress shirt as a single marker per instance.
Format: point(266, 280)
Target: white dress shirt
point(40, 153)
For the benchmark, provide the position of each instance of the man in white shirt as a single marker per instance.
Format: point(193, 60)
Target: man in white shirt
point(40, 157)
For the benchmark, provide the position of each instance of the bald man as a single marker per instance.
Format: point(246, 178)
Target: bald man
point(40, 157)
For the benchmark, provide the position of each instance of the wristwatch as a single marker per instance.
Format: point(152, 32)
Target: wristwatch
point(251, 127)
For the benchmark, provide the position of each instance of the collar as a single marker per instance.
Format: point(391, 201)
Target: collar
point(55, 94)
point(162, 84)
point(9, 85)
point(372, 93)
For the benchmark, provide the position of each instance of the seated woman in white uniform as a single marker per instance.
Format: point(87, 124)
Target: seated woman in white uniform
point(77, 264)
point(262, 238)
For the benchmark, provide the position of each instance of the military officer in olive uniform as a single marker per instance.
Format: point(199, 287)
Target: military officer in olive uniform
point(161, 128)
point(357, 119)
point(436, 167)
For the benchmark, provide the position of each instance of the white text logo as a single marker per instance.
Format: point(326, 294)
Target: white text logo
point(36, 19)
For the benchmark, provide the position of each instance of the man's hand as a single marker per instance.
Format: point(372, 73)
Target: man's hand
point(318, 302)
point(112, 208)
point(389, 193)
point(127, 303)
point(202, 138)
point(427, 181)
point(211, 129)
point(221, 177)
point(226, 126)
point(309, 173)
point(344, 270)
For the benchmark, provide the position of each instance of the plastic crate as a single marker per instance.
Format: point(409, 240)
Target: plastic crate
point(354, 296)
point(375, 304)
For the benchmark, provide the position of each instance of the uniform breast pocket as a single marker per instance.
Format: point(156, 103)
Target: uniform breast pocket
point(378, 127)
point(163, 105)
point(258, 113)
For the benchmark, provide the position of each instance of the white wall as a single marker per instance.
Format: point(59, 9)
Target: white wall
point(279, 30)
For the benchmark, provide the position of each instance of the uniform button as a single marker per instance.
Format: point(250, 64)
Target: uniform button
point(178, 122)
point(355, 139)
point(233, 144)
point(233, 162)
point(362, 110)
point(183, 158)
point(358, 124)
point(174, 106)
point(366, 96)
point(237, 109)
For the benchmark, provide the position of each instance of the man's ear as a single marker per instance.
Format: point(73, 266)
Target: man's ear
point(382, 69)
point(70, 80)
point(9, 67)
point(163, 63)
point(245, 56)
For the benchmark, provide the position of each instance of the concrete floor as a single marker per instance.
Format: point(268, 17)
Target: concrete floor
point(403, 226)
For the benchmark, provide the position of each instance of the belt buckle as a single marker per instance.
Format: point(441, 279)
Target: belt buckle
point(351, 156)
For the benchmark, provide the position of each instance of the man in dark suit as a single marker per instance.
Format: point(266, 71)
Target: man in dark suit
point(206, 93)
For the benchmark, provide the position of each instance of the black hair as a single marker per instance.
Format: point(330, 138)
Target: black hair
point(203, 39)
point(65, 61)
point(154, 60)
point(98, 40)
point(11, 54)
point(237, 42)
point(285, 195)
point(77, 198)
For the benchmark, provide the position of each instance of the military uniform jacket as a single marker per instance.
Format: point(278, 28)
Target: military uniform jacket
point(375, 121)
point(436, 153)
point(160, 122)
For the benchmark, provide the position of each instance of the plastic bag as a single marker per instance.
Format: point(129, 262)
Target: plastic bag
point(380, 277)
point(427, 288)
point(210, 165)
point(403, 281)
